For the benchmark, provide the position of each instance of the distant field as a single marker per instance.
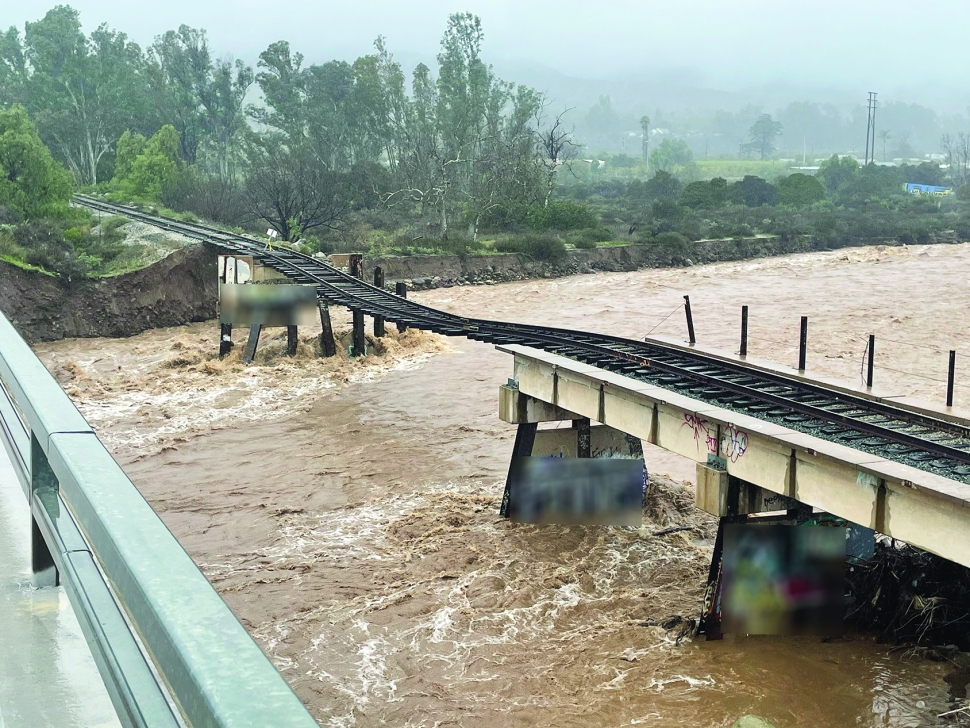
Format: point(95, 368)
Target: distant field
point(703, 169)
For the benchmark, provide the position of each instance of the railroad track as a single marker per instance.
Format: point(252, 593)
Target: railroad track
point(928, 443)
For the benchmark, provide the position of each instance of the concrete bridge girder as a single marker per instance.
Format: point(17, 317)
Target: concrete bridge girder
point(921, 508)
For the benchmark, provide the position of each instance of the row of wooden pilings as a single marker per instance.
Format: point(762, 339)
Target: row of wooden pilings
point(869, 354)
point(328, 346)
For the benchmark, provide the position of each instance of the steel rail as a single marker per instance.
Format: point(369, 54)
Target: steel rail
point(899, 434)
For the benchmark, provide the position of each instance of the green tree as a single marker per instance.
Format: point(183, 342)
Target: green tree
point(340, 113)
point(144, 168)
point(662, 185)
point(800, 190)
point(223, 120)
point(705, 195)
point(762, 135)
point(178, 74)
point(32, 184)
point(13, 68)
point(129, 146)
point(753, 191)
point(669, 154)
point(84, 92)
point(837, 171)
point(872, 183)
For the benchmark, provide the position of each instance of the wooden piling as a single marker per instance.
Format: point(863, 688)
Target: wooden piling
point(250, 353)
point(690, 321)
point(225, 340)
point(803, 344)
point(327, 345)
point(379, 320)
point(360, 343)
point(291, 340)
point(356, 265)
point(744, 331)
point(401, 289)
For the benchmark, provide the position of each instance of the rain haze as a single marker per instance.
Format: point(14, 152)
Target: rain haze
point(485, 363)
point(699, 53)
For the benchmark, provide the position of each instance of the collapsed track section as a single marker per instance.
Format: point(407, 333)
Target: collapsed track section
point(919, 440)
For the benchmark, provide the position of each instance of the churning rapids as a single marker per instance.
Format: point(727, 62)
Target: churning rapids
point(347, 511)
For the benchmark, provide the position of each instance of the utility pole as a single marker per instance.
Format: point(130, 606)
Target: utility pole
point(871, 129)
point(645, 145)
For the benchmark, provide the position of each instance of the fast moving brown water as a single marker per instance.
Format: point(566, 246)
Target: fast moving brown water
point(357, 537)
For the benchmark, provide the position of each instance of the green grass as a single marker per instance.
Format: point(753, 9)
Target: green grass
point(25, 266)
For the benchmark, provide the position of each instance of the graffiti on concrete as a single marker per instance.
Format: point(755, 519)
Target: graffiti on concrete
point(735, 443)
point(704, 431)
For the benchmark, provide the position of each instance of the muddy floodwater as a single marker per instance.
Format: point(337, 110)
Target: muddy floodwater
point(347, 511)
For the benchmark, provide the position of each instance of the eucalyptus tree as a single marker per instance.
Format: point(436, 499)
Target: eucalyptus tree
point(178, 73)
point(13, 68)
point(83, 92)
point(341, 113)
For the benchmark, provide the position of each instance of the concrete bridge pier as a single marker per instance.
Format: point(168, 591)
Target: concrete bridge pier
point(581, 440)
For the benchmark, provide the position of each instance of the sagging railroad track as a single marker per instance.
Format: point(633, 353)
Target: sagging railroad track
point(919, 440)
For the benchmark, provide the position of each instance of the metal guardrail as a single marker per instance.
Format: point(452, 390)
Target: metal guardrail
point(168, 649)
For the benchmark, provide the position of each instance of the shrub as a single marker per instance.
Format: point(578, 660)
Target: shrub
point(674, 243)
point(962, 228)
point(589, 237)
point(705, 195)
point(536, 246)
point(800, 190)
point(508, 216)
point(8, 216)
point(753, 192)
point(560, 215)
point(44, 245)
point(10, 249)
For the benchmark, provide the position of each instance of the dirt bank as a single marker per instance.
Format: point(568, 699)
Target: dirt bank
point(177, 289)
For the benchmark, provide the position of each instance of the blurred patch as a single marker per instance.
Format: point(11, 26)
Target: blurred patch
point(585, 491)
point(783, 580)
point(269, 305)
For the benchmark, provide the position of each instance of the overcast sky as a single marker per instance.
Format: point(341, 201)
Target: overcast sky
point(894, 46)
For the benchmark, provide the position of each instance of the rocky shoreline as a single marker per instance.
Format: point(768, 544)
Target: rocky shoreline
point(445, 271)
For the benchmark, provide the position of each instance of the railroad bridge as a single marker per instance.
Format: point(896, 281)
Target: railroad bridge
point(757, 431)
point(763, 438)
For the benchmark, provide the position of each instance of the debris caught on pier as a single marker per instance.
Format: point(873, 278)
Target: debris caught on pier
point(910, 596)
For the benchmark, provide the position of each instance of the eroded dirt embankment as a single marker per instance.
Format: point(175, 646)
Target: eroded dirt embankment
point(180, 288)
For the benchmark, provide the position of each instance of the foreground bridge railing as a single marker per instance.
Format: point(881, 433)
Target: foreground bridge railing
point(168, 649)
